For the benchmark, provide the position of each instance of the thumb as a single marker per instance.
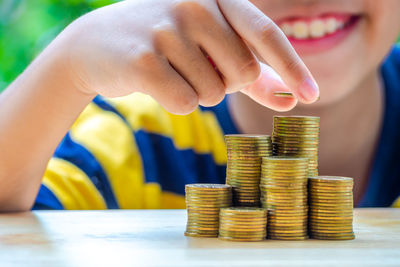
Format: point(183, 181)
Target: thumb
point(263, 89)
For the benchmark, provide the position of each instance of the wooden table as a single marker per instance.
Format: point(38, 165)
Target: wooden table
point(155, 238)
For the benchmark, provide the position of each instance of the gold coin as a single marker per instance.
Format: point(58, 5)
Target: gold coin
point(244, 136)
point(273, 218)
point(316, 219)
point(227, 238)
point(317, 197)
point(286, 233)
point(330, 212)
point(243, 228)
point(241, 233)
point(239, 210)
point(331, 179)
point(194, 234)
point(333, 208)
point(240, 225)
point(196, 227)
point(222, 198)
point(208, 186)
point(201, 230)
point(296, 119)
point(332, 230)
point(333, 236)
point(210, 193)
point(243, 219)
point(293, 238)
point(284, 94)
point(211, 199)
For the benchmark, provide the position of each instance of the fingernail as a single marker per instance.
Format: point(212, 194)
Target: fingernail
point(309, 90)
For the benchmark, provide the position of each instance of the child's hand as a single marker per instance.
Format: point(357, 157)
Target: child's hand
point(160, 48)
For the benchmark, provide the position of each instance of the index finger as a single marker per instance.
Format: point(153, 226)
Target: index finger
point(271, 43)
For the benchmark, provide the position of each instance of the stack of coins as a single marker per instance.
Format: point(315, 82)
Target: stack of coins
point(243, 224)
point(284, 193)
point(331, 207)
point(244, 166)
point(203, 202)
point(297, 136)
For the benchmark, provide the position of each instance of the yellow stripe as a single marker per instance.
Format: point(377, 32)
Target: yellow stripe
point(152, 192)
point(71, 186)
point(396, 203)
point(111, 141)
point(172, 201)
point(199, 130)
point(156, 199)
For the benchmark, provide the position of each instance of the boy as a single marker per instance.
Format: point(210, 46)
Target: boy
point(129, 152)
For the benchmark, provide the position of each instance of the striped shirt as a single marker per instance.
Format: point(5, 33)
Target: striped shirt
point(130, 153)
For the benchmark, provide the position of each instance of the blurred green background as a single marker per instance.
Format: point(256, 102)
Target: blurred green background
point(27, 26)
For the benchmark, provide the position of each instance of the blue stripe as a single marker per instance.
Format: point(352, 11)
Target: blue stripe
point(224, 117)
point(171, 168)
point(46, 200)
point(84, 160)
point(164, 164)
point(103, 104)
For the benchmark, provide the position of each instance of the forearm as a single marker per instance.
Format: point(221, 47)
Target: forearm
point(36, 112)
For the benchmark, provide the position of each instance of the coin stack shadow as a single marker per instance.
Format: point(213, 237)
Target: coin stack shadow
point(243, 170)
point(243, 224)
point(297, 136)
point(331, 207)
point(203, 202)
point(284, 194)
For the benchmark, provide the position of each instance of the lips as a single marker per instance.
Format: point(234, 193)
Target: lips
point(315, 34)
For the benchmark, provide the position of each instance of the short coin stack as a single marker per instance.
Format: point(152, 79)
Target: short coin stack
point(244, 166)
point(297, 136)
point(243, 224)
point(284, 193)
point(203, 202)
point(331, 207)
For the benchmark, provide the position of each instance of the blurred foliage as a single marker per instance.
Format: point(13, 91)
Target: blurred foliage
point(27, 26)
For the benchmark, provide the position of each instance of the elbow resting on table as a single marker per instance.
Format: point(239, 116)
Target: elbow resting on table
point(15, 197)
point(15, 204)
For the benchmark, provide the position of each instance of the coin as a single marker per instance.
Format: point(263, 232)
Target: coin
point(283, 186)
point(295, 199)
point(244, 153)
point(292, 238)
point(331, 207)
point(297, 136)
point(333, 236)
point(203, 202)
point(242, 223)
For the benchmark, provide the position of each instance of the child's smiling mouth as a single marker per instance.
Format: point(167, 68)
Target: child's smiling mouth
point(318, 33)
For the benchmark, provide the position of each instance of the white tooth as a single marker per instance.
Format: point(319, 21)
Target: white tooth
point(300, 30)
point(317, 28)
point(331, 25)
point(340, 24)
point(286, 28)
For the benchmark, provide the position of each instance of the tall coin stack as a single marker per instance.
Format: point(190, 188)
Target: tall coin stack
point(284, 194)
point(203, 202)
point(331, 207)
point(243, 224)
point(297, 136)
point(244, 166)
